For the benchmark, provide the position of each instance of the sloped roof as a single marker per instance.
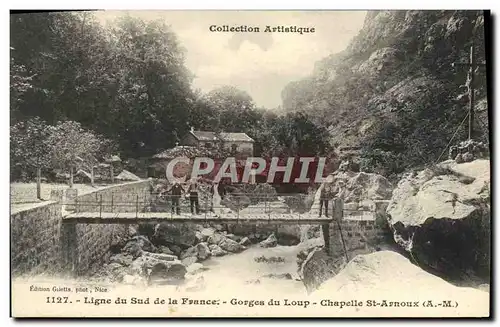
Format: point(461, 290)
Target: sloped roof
point(228, 137)
point(184, 151)
point(236, 137)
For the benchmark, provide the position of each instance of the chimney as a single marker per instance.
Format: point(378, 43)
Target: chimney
point(192, 129)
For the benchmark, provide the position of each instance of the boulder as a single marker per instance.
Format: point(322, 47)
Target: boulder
point(160, 256)
point(231, 246)
point(442, 217)
point(200, 251)
point(233, 237)
point(122, 259)
point(245, 241)
point(216, 238)
point(165, 249)
point(318, 267)
point(137, 244)
point(199, 237)
point(288, 234)
point(269, 242)
point(171, 272)
point(391, 277)
point(203, 251)
point(132, 231)
point(216, 251)
point(207, 232)
point(177, 250)
point(183, 235)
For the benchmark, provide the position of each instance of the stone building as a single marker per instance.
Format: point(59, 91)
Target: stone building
point(239, 145)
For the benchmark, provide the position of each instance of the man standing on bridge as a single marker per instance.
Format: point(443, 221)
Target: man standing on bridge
point(325, 196)
point(176, 192)
point(193, 197)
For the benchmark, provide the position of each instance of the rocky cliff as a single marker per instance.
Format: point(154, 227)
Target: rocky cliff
point(441, 216)
point(394, 91)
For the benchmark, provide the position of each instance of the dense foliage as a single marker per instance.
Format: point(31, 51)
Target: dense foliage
point(127, 82)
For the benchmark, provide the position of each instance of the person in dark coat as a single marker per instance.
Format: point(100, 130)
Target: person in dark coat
point(193, 197)
point(176, 192)
point(325, 197)
point(221, 189)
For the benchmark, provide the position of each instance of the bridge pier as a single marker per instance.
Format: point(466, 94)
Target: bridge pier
point(332, 233)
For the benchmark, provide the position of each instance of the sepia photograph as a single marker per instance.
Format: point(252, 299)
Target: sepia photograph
point(210, 163)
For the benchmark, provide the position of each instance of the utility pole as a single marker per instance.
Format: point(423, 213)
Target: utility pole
point(473, 66)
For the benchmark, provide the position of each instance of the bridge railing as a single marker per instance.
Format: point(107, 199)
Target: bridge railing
point(238, 205)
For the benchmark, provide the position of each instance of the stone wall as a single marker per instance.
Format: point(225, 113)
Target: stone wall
point(36, 236)
point(42, 244)
point(357, 235)
point(127, 197)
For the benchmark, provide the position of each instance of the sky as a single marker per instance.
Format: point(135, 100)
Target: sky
point(261, 64)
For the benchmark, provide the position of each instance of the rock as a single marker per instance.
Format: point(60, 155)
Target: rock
point(165, 249)
point(231, 246)
point(389, 275)
point(309, 232)
point(160, 256)
point(467, 157)
point(288, 235)
point(207, 232)
point(216, 238)
point(245, 241)
point(219, 227)
point(269, 242)
point(216, 251)
point(145, 243)
point(183, 235)
point(122, 259)
point(136, 244)
point(167, 273)
point(319, 267)
point(195, 268)
point(200, 251)
point(442, 217)
point(189, 261)
point(177, 250)
point(203, 251)
point(132, 231)
point(190, 252)
point(199, 237)
point(233, 237)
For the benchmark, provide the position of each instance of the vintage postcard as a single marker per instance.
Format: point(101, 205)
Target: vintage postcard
point(250, 164)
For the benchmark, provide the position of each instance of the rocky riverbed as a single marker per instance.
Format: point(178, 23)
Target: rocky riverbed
point(197, 258)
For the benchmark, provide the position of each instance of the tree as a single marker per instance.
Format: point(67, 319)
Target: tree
point(71, 146)
point(29, 149)
point(234, 109)
point(154, 92)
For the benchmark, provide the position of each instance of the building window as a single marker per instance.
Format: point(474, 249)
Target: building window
point(234, 147)
point(208, 145)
